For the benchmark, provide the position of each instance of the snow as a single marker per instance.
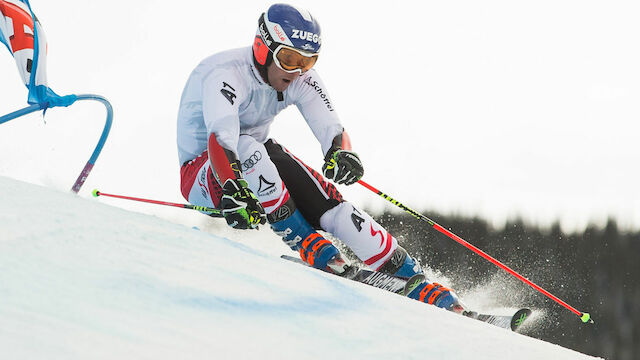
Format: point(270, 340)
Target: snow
point(80, 279)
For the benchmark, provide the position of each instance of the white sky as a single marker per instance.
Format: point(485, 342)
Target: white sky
point(494, 108)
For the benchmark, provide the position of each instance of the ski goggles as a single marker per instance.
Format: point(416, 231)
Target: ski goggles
point(291, 60)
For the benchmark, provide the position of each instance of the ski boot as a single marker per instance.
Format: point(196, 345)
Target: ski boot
point(438, 295)
point(322, 254)
point(314, 249)
point(402, 265)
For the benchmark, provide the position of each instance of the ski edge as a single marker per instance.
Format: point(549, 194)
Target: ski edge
point(510, 322)
point(393, 284)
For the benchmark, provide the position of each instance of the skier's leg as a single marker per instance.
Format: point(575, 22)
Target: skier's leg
point(380, 250)
point(282, 213)
point(322, 205)
point(362, 234)
point(314, 195)
point(325, 209)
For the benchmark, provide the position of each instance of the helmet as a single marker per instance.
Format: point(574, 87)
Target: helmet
point(289, 36)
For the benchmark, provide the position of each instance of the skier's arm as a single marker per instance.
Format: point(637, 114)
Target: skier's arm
point(315, 105)
point(240, 207)
point(342, 165)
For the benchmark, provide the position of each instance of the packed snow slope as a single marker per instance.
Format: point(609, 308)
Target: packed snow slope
point(80, 279)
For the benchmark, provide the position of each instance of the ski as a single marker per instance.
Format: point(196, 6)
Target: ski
point(403, 286)
point(512, 322)
point(395, 284)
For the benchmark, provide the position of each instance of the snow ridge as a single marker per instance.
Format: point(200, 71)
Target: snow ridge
point(80, 279)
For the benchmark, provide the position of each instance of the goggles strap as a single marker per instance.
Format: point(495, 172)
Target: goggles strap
point(266, 35)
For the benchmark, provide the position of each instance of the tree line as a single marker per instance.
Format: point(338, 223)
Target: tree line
point(596, 271)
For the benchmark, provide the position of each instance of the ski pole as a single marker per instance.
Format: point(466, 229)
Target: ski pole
point(213, 211)
point(585, 317)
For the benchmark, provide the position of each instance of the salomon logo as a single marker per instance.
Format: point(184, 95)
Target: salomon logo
point(306, 35)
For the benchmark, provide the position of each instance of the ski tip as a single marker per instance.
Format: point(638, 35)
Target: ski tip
point(519, 318)
point(586, 318)
point(95, 193)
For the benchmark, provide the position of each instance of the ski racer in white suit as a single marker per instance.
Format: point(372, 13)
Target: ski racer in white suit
point(228, 160)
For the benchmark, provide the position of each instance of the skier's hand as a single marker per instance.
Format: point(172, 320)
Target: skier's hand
point(240, 207)
point(342, 167)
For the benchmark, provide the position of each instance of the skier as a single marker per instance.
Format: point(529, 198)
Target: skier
point(228, 160)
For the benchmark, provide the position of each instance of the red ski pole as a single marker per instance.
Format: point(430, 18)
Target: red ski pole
point(213, 211)
point(585, 317)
